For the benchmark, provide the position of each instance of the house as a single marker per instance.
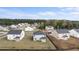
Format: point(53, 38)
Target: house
point(16, 35)
point(49, 29)
point(74, 33)
point(39, 36)
point(29, 28)
point(63, 34)
point(23, 24)
point(33, 26)
point(36, 24)
point(13, 27)
point(3, 28)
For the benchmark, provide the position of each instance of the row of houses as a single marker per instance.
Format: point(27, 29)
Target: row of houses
point(25, 28)
point(18, 35)
point(17, 32)
point(62, 33)
point(20, 26)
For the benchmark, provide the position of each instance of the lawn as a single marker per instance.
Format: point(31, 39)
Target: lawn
point(25, 43)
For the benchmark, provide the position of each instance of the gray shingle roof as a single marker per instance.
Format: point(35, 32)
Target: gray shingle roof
point(43, 38)
point(76, 30)
point(38, 33)
point(15, 32)
point(62, 30)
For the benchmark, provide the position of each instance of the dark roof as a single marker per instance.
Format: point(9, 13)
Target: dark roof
point(38, 33)
point(62, 30)
point(43, 38)
point(15, 32)
point(76, 30)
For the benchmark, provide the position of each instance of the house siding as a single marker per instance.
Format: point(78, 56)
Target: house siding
point(38, 38)
point(13, 36)
point(74, 33)
point(60, 36)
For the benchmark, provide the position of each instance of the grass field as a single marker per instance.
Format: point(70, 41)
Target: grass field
point(25, 43)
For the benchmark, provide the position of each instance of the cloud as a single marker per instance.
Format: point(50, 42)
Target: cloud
point(24, 15)
point(75, 14)
point(69, 9)
point(14, 14)
point(47, 13)
point(5, 13)
point(61, 13)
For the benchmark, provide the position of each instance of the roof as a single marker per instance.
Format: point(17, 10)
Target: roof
point(28, 27)
point(49, 26)
point(62, 30)
point(43, 38)
point(76, 30)
point(15, 32)
point(38, 33)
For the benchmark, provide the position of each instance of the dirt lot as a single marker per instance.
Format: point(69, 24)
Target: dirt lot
point(70, 44)
point(26, 43)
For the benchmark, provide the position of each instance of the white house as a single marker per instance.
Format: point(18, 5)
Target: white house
point(16, 35)
point(74, 33)
point(29, 28)
point(3, 28)
point(63, 34)
point(39, 36)
point(49, 29)
point(23, 24)
point(13, 27)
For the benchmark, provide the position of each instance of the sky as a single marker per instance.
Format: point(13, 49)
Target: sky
point(69, 13)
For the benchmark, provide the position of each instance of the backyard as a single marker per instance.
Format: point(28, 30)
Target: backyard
point(70, 44)
point(26, 43)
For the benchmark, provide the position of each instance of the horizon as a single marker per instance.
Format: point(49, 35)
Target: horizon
point(66, 13)
point(39, 19)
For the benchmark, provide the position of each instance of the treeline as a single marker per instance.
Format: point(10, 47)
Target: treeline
point(16, 21)
point(64, 24)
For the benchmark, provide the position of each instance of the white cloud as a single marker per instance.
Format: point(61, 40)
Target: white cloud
point(48, 13)
point(70, 9)
point(74, 14)
point(5, 13)
point(21, 15)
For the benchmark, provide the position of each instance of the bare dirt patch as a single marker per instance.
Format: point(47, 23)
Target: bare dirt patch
point(69, 44)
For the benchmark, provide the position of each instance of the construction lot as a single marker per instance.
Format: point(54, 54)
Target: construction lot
point(70, 44)
point(26, 43)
